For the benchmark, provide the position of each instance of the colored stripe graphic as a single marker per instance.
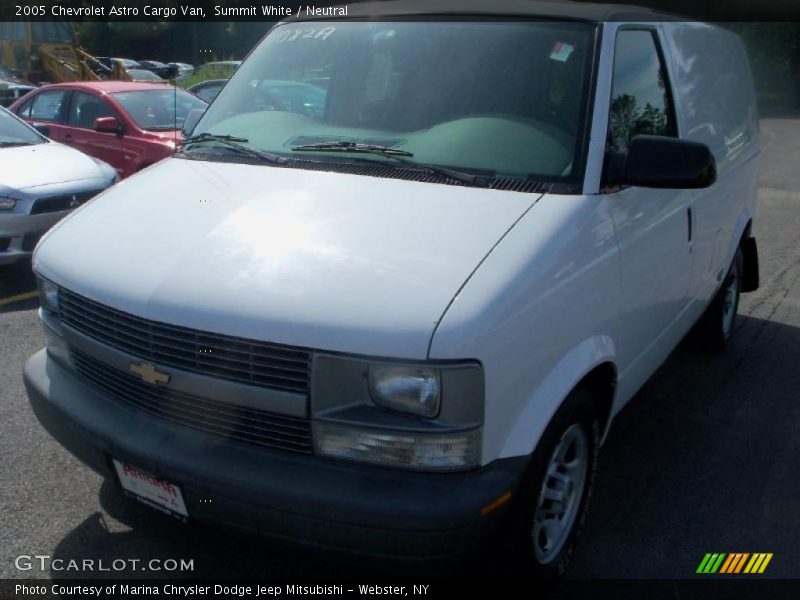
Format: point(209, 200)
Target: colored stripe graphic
point(702, 567)
point(758, 563)
point(711, 562)
point(741, 562)
point(732, 558)
point(765, 563)
point(734, 562)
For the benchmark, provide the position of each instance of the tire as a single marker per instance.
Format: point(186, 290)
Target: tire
point(542, 544)
point(718, 323)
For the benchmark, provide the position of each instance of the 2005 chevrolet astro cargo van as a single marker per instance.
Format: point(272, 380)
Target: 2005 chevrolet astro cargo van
point(397, 313)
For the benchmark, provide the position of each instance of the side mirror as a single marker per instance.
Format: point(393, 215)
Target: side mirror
point(191, 120)
point(108, 125)
point(662, 162)
point(43, 129)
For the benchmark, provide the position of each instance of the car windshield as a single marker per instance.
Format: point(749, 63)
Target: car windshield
point(156, 109)
point(14, 132)
point(505, 98)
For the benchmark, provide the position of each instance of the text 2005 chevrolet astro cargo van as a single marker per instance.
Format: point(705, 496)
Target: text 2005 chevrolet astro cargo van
point(396, 285)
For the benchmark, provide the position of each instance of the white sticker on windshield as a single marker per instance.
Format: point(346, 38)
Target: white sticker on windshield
point(287, 34)
point(561, 51)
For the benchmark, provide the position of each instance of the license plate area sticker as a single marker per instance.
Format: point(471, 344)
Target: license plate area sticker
point(152, 491)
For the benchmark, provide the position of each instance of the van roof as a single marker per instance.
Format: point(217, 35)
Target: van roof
point(549, 9)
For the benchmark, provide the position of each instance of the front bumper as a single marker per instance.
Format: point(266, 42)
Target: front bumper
point(316, 501)
point(19, 233)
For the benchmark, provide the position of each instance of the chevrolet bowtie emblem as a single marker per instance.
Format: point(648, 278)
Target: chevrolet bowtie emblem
point(149, 374)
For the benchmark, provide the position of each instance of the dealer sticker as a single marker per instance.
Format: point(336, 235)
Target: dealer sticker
point(156, 493)
point(561, 51)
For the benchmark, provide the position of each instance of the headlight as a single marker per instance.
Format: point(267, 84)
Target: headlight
point(48, 295)
point(411, 449)
point(414, 390)
point(436, 417)
point(7, 203)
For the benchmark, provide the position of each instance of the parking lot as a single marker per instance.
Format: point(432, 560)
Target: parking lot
point(704, 459)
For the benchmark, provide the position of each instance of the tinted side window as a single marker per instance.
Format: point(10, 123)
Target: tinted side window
point(85, 109)
point(47, 105)
point(640, 98)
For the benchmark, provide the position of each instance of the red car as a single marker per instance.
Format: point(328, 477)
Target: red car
point(129, 125)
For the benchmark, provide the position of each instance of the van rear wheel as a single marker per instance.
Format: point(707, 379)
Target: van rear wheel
point(718, 323)
point(553, 500)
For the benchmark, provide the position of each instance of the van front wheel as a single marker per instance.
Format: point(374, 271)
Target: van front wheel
point(554, 497)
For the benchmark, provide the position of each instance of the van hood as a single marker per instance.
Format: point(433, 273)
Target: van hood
point(315, 259)
point(27, 167)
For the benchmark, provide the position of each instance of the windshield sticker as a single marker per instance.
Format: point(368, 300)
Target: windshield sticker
point(290, 35)
point(561, 51)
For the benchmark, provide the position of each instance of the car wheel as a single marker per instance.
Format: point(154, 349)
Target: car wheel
point(718, 323)
point(553, 500)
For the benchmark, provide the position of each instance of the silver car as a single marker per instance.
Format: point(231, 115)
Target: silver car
point(40, 183)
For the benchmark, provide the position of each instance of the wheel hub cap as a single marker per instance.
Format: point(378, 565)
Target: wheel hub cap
point(729, 306)
point(561, 493)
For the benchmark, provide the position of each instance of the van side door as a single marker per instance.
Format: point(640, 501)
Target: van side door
point(718, 108)
point(653, 226)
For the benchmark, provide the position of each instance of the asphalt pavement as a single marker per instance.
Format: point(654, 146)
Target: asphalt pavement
point(704, 459)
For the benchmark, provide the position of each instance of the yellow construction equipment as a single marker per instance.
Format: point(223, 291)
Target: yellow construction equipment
point(48, 52)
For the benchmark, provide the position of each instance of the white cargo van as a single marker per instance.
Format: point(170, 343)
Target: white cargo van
point(398, 282)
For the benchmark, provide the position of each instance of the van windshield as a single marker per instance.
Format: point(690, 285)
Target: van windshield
point(494, 97)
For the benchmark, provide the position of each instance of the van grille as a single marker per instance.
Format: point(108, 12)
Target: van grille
point(210, 416)
point(226, 357)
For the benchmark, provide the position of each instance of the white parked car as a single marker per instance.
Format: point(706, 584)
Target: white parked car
point(40, 183)
point(405, 321)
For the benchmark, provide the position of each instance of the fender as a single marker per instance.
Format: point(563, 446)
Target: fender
point(551, 393)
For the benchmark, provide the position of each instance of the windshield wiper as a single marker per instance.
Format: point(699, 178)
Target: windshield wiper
point(235, 142)
point(399, 155)
point(11, 144)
